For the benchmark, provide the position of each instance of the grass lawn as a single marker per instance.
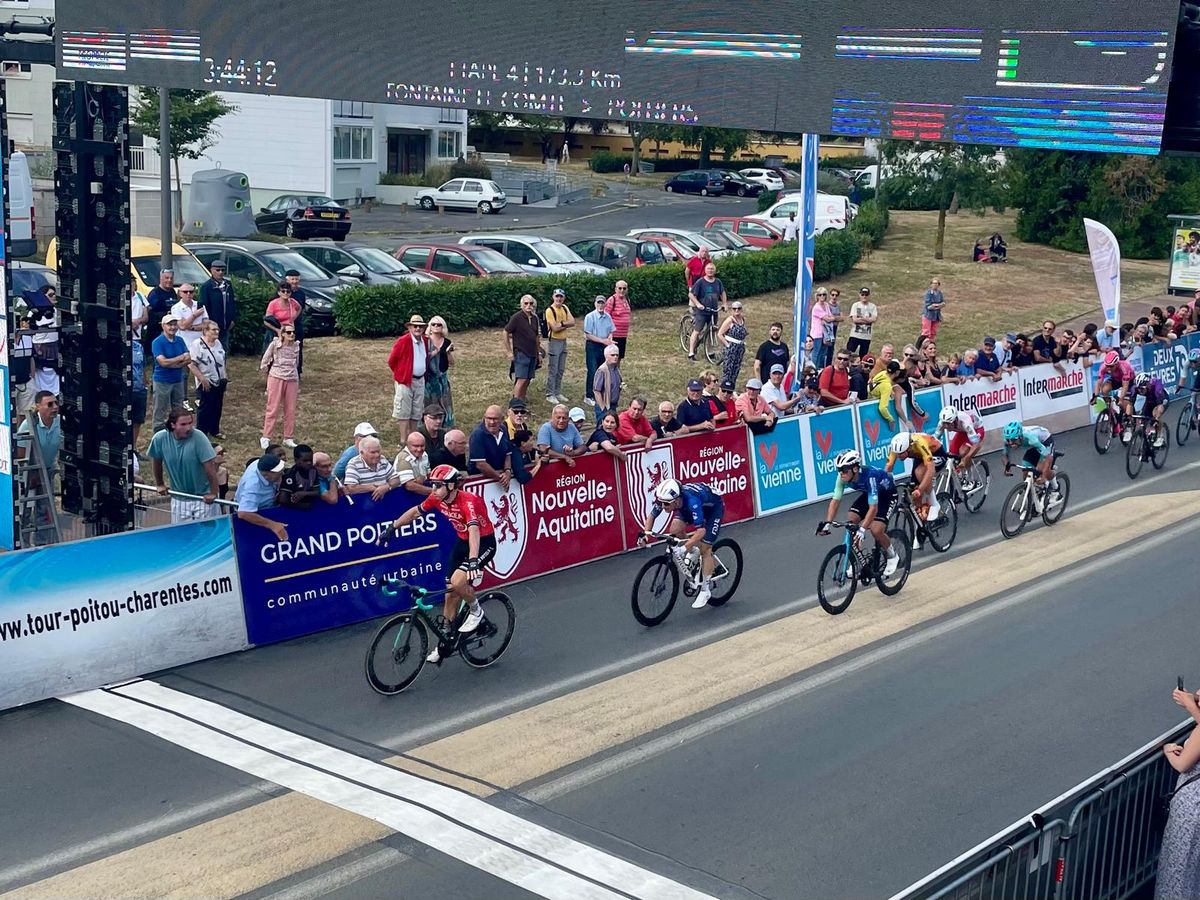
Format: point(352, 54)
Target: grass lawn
point(347, 381)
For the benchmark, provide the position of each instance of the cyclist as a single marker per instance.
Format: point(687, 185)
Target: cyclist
point(1118, 373)
point(871, 508)
point(1155, 392)
point(966, 435)
point(475, 547)
point(697, 506)
point(1039, 449)
point(1194, 368)
point(921, 449)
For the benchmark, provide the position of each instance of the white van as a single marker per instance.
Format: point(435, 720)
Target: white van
point(833, 211)
point(22, 236)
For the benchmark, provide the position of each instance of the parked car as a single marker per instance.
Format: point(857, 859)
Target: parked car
point(730, 241)
point(743, 187)
point(770, 180)
point(369, 265)
point(304, 216)
point(465, 193)
point(453, 262)
point(698, 181)
point(832, 211)
point(261, 260)
point(693, 240)
point(535, 254)
point(625, 252)
point(144, 256)
point(31, 276)
point(760, 234)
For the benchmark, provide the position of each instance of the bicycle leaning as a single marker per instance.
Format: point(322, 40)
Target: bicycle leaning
point(846, 565)
point(657, 584)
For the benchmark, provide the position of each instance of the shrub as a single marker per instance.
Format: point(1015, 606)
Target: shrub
point(871, 221)
point(828, 183)
point(469, 168)
point(767, 199)
point(434, 176)
point(905, 191)
point(603, 161)
point(252, 300)
point(848, 162)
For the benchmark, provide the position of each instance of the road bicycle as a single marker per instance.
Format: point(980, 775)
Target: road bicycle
point(1111, 422)
point(397, 655)
point(846, 565)
point(1149, 442)
point(939, 533)
point(1029, 499)
point(657, 583)
point(706, 344)
point(1188, 420)
point(977, 475)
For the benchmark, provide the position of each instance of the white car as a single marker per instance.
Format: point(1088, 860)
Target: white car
point(768, 179)
point(465, 193)
point(833, 211)
point(692, 240)
point(535, 254)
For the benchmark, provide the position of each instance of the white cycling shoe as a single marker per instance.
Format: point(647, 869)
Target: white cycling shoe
point(935, 510)
point(892, 564)
point(703, 597)
point(471, 622)
point(434, 656)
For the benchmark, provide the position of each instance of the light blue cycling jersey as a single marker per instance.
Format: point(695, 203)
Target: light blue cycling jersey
point(1033, 437)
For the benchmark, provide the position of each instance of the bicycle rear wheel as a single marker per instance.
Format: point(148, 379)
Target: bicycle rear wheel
point(1158, 452)
point(1135, 452)
point(981, 475)
point(943, 530)
point(685, 332)
point(729, 556)
point(900, 543)
point(397, 654)
point(654, 591)
point(713, 350)
point(491, 638)
point(837, 581)
point(1183, 430)
point(1055, 502)
point(1015, 512)
point(1102, 433)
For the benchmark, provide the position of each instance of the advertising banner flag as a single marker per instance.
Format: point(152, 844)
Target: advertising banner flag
point(1106, 266)
point(802, 297)
point(781, 467)
point(829, 433)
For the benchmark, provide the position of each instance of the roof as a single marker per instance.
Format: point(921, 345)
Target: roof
point(441, 245)
point(508, 236)
point(248, 246)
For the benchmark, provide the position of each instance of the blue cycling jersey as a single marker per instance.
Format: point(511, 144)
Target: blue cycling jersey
point(871, 481)
point(699, 500)
point(1033, 437)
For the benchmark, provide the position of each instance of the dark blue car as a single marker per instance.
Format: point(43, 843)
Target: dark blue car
point(704, 182)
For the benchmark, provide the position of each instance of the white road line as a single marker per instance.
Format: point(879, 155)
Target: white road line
point(463, 826)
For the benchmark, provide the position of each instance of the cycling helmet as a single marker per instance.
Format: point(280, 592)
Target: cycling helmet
point(668, 491)
point(948, 415)
point(445, 474)
point(846, 459)
point(1194, 355)
point(1111, 358)
point(900, 443)
point(1013, 431)
point(1142, 381)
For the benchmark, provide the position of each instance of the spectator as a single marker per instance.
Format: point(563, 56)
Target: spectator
point(666, 424)
point(491, 450)
point(835, 308)
point(361, 430)
point(219, 301)
point(903, 389)
point(49, 431)
point(791, 228)
point(859, 367)
point(929, 367)
point(292, 277)
point(1045, 345)
point(633, 426)
point(437, 372)
point(694, 411)
point(560, 438)
point(694, 269)
point(523, 440)
point(300, 486)
point(988, 362)
point(931, 314)
point(1109, 338)
point(753, 410)
point(327, 482)
point(772, 351)
point(523, 344)
point(208, 368)
point(863, 316)
point(729, 413)
point(139, 310)
point(579, 417)
point(605, 438)
point(412, 465)
point(280, 363)
point(161, 298)
point(558, 322)
point(409, 361)
point(223, 472)
point(834, 382)
point(517, 418)
point(618, 308)
point(809, 398)
point(191, 316)
point(598, 329)
point(882, 388)
point(171, 357)
point(137, 413)
point(1178, 863)
point(453, 451)
point(997, 249)
point(966, 368)
point(369, 472)
point(1022, 352)
point(606, 384)
point(1084, 344)
point(191, 464)
point(732, 336)
point(704, 296)
point(1066, 341)
point(820, 329)
point(20, 369)
point(710, 392)
point(886, 354)
point(257, 490)
point(776, 397)
point(285, 309)
point(433, 420)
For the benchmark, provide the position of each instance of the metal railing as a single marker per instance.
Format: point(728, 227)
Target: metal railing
point(152, 509)
point(1097, 841)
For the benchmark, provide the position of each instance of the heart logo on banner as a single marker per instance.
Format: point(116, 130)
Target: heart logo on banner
point(769, 453)
point(824, 441)
point(873, 426)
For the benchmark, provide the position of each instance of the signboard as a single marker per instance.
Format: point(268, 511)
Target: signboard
point(997, 402)
point(1049, 389)
point(829, 433)
point(874, 435)
point(1185, 259)
point(78, 615)
point(782, 464)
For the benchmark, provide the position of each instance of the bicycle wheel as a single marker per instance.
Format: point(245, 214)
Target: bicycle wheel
point(713, 351)
point(487, 643)
point(837, 581)
point(981, 475)
point(685, 332)
point(1055, 502)
point(1102, 433)
point(901, 519)
point(729, 555)
point(902, 546)
point(654, 591)
point(397, 654)
point(1183, 430)
point(943, 530)
point(1158, 452)
point(1015, 512)
point(1135, 453)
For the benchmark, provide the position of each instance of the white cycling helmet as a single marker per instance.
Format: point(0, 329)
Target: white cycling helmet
point(900, 443)
point(846, 459)
point(948, 415)
point(668, 491)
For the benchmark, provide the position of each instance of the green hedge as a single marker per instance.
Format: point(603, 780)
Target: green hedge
point(252, 300)
point(871, 221)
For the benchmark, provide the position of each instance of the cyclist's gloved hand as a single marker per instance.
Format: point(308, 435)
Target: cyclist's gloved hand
point(472, 565)
point(822, 528)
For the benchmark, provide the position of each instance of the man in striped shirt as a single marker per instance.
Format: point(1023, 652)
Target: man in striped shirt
point(369, 472)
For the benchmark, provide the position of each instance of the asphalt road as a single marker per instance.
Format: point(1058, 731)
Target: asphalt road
point(762, 749)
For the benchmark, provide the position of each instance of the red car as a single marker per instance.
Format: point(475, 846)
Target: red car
point(453, 262)
point(753, 231)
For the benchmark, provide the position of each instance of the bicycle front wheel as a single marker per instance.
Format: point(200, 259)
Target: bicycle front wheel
point(1135, 453)
point(1015, 512)
point(654, 591)
point(397, 655)
point(891, 585)
point(1183, 430)
point(729, 558)
point(491, 638)
point(685, 332)
point(837, 581)
point(942, 531)
point(1055, 502)
point(1158, 452)
point(979, 473)
point(714, 351)
point(1102, 433)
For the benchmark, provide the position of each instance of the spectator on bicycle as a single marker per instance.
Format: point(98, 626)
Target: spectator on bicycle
point(696, 506)
point(871, 508)
point(1114, 372)
point(703, 297)
point(966, 432)
point(921, 449)
point(474, 549)
point(1038, 444)
point(1155, 404)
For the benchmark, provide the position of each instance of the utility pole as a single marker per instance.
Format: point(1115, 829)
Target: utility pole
point(166, 207)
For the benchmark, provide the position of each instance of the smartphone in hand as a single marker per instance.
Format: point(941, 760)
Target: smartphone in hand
point(1179, 682)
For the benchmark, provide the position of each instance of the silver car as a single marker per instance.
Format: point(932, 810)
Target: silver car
point(693, 240)
point(535, 254)
point(465, 193)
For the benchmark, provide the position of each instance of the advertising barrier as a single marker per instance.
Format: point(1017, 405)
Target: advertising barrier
point(79, 615)
point(1055, 396)
point(997, 402)
point(330, 570)
point(782, 466)
point(829, 433)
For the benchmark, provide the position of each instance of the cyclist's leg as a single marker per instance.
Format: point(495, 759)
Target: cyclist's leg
point(878, 528)
point(712, 528)
point(454, 581)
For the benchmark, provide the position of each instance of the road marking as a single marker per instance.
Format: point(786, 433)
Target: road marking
point(493, 840)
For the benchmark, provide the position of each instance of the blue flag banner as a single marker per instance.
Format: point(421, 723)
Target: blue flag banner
point(807, 247)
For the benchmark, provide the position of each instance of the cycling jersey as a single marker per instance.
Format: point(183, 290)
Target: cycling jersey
point(465, 509)
point(923, 448)
point(969, 425)
point(1156, 394)
point(1033, 437)
point(1120, 374)
point(872, 482)
point(702, 507)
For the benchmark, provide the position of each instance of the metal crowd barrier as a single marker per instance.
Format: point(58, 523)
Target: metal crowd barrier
point(1095, 842)
point(152, 509)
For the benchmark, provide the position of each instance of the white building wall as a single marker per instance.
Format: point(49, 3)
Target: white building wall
point(30, 94)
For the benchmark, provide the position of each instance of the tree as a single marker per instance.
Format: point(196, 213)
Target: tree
point(544, 129)
point(727, 140)
point(660, 134)
point(487, 128)
point(193, 118)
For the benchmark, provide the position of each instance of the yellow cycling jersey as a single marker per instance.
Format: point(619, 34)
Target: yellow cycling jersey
point(922, 448)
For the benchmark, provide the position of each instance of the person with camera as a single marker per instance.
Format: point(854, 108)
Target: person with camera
point(1179, 859)
point(212, 377)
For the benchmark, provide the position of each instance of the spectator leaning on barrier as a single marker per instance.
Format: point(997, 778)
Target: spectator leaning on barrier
point(728, 403)
point(753, 410)
point(1109, 337)
point(1022, 353)
point(171, 357)
point(190, 462)
point(369, 472)
point(666, 424)
point(834, 382)
point(931, 313)
point(408, 361)
point(966, 368)
point(257, 490)
point(412, 465)
point(578, 417)
point(453, 451)
point(300, 486)
point(361, 430)
point(776, 397)
point(606, 385)
point(327, 482)
point(617, 306)
point(598, 330)
point(558, 322)
point(857, 375)
point(605, 438)
point(219, 301)
point(1045, 345)
point(863, 316)
point(491, 450)
point(633, 426)
point(694, 410)
point(433, 418)
point(523, 345)
point(772, 351)
point(560, 437)
point(988, 362)
point(526, 459)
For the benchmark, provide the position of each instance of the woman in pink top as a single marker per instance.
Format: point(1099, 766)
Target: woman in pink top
point(816, 329)
point(283, 310)
point(280, 363)
point(618, 307)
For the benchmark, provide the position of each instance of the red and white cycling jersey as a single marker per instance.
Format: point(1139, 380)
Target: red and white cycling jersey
point(465, 509)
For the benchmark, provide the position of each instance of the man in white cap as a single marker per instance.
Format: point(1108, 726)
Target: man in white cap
point(256, 492)
point(1109, 337)
point(361, 430)
point(407, 362)
point(171, 359)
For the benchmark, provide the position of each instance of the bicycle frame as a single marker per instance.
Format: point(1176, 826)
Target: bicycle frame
point(422, 608)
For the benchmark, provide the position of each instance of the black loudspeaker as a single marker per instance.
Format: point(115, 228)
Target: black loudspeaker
point(91, 187)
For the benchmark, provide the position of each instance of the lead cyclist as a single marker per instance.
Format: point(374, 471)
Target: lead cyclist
point(966, 431)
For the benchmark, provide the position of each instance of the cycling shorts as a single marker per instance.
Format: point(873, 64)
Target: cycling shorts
point(960, 440)
point(462, 552)
point(1033, 458)
point(887, 500)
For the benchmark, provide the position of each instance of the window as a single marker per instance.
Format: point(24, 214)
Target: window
point(450, 263)
point(452, 187)
point(243, 266)
point(21, 70)
point(351, 109)
point(472, 187)
point(651, 253)
point(449, 144)
point(416, 257)
point(353, 143)
point(722, 226)
point(755, 230)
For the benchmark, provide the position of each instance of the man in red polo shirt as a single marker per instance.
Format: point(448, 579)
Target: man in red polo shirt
point(835, 380)
point(632, 425)
point(695, 266)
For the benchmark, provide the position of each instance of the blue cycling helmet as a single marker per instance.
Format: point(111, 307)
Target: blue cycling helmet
point(1194, 354)
point(1013, 431)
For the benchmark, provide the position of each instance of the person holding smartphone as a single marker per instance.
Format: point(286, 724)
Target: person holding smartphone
point(1178, 863)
